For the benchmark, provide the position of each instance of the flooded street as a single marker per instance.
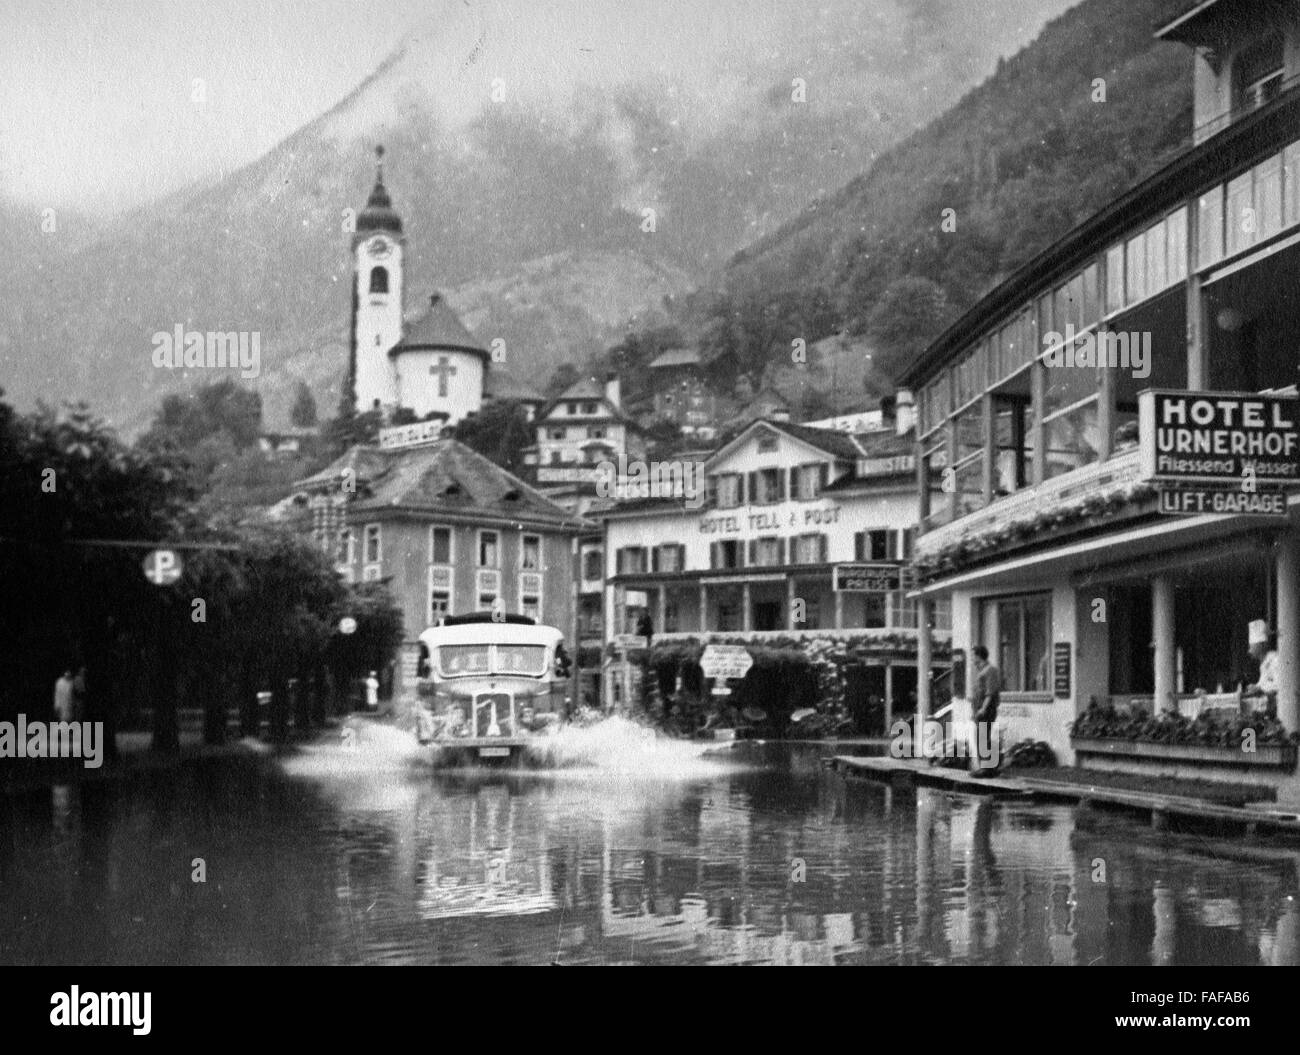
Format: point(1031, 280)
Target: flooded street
point(362, 854)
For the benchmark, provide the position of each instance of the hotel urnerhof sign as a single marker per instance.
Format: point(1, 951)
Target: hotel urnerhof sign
point(1219, 437)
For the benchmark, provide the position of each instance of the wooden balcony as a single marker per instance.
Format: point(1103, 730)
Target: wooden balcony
point(1117, 473)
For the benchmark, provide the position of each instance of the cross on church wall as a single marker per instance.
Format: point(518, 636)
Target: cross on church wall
point(442, 370)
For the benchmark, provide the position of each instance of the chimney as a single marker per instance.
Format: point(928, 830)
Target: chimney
point(614, 391)
point(904, 412)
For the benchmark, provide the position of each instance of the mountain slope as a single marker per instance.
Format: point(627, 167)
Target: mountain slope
point(499, 198)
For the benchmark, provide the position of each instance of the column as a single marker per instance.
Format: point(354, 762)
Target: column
point(1288, 631)
point(924, 661)
point(889, 696)
point(746, 609)
point(839, 608)
point(704, 608)
point(1162, 640)
point(661, 608)
point(791, 592)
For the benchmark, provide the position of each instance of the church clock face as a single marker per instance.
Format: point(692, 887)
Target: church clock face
point(378, 248)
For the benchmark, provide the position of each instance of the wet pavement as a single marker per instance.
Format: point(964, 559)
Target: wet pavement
point(646, 854)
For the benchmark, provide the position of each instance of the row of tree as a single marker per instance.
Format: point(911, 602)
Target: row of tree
point(255, 606)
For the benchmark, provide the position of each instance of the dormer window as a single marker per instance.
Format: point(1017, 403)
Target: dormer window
point(379, 280)
point(451, 490)
point(767, 443)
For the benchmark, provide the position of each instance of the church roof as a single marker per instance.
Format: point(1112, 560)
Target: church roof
point(438, 327)
point(444, 476)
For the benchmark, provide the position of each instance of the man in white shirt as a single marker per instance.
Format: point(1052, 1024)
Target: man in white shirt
point(63, 697)
point(1263, 649)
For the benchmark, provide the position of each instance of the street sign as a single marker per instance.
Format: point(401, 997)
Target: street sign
point(162, 567)
point(726, 661)
point(721, 690)
point(347, 625)
point(630, 641)
point(1223, 500)
point(1218, 437)
point(870, 578)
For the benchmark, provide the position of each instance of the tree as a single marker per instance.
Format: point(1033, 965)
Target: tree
point(303, 414)
point(500, 431)
point(911, 313)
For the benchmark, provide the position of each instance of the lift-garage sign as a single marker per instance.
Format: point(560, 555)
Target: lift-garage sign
point(1219, 437)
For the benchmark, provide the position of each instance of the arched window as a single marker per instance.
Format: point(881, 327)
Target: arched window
point(379, 280)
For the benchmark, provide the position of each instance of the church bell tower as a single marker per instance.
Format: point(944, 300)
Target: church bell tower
point(377, 250)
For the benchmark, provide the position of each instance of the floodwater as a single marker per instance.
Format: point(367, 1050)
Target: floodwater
point(358, 852)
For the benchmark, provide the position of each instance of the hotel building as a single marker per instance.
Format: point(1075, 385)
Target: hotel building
point(1055, 537)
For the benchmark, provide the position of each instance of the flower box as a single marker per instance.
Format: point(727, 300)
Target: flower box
point(1278, 755)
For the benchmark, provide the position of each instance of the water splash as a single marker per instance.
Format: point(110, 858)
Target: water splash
point(617, 746)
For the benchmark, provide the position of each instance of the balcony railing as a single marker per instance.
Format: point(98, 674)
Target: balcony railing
point(1264, 95)
point(1116, 473)
point(844, 634)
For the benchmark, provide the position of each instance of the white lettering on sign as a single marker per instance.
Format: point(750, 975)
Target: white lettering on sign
point(1218, 437)
point(903, 463)
point(725, 661)
point(788, 516)
point(405, 435)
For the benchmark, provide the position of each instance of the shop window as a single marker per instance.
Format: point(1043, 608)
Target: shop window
point(1017, 632)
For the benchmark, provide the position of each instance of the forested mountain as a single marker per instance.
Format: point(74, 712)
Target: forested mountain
point(1092, 106)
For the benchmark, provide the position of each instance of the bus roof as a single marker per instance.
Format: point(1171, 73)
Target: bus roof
point(490, 634)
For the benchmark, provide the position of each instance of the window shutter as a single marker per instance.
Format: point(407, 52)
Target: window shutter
point(654, 558)
point(753, 550)
point(783, 478)
point(751, 489)
point(859, 545)
point(681, 556)
point(824, 547)
point(713, 554)
point(823, 476)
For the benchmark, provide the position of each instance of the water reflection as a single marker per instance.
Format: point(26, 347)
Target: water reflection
point(777, 863)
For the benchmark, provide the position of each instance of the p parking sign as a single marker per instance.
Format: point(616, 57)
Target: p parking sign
point(162, 567)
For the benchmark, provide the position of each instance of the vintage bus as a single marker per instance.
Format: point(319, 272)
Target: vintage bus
point(489, 687)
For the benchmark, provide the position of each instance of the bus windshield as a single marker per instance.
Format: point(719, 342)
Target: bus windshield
point(459, 661)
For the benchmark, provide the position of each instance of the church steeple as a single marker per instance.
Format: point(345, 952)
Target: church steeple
point(379, 214)
point(378, 281)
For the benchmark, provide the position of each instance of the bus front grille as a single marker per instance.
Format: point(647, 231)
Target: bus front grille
point(492, 716)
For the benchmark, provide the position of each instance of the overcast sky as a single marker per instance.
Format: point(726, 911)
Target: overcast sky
point(99, 108)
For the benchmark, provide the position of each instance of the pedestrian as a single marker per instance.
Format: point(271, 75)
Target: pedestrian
point(372, 692)
point(79, 695)
point(985, 693)
point(63, 690)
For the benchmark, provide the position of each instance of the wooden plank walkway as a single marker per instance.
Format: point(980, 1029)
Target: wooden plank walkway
point(907, 770)
point(1251, 819)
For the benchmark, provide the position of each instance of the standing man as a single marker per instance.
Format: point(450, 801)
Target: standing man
point(63, 697)
point(1263, 650)
point(986, 691)
point(372, 692)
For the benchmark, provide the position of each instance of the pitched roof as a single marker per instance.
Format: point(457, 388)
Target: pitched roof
point(832, 441)
point(501, 384)
point(675, 357)
point(442, 476)
point(437, 327)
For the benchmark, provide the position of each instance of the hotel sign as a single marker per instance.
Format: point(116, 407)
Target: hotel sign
point(870, 578)
point(569, 475)
point(407, 435)
point(1229, 501)
point(1218, 437)
point(902, 463)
